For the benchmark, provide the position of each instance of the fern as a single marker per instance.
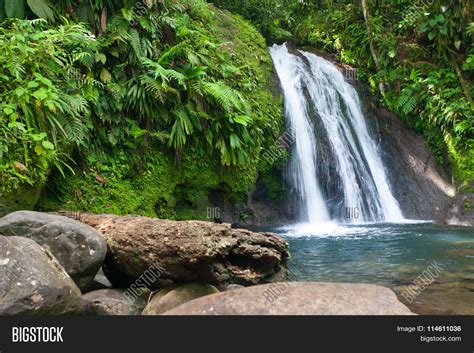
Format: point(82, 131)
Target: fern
point(406, 102)
point(226, 97)
point(134, 39)
point(183, 126)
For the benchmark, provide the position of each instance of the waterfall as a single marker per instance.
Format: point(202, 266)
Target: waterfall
point(335, 171)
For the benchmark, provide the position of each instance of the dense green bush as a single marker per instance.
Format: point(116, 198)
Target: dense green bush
point(43, 112)
point(273, 18)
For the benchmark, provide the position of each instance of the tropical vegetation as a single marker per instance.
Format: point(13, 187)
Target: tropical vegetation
point(110, 91)
point(153, 106)
point(418, 57)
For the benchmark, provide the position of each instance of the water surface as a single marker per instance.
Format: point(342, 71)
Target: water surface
point(393, 255)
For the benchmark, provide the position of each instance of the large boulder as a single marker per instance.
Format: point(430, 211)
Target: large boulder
point(113, 302)
point(79, 248)
point(298, 298)
point(188, 251)
point(33, 282)
point(173, 296)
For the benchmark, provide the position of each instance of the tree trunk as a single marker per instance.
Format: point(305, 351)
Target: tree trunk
point(365, 11)
point(462, 81)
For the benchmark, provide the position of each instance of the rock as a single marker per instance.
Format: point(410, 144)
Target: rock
point(113, 302)
point(23, 198)
point(100, 282)
point(226, 287)
point(187, 251)
point(33, 282)
point(461, 212)
point(79, 248)
point(173, 296)
point(298, 298)
point(422, 188)
point(448, 298)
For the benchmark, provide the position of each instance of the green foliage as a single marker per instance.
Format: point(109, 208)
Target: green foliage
point(425, 62)
point(272, 18)
point(168, 63)
point(111, 185)
point(18, 9)
point(166, 102)
point(42, 111)
point(25, 155)
point(424, 58)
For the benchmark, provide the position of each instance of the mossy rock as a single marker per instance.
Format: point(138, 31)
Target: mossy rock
point(25, 198)
point(173, 296)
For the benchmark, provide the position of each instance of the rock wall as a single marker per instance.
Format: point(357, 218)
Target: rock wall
point(422, 188)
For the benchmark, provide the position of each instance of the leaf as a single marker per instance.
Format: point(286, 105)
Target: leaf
point(105, 75)
point(20, 91)
point(19, 167)
point(40, 94)
point(100, 57)
point(39, 149)
point(48, 145)
point(234, 141)
point(457, 44)
point(42, 9)
point(103, 19)
point(242, 119)
point(2, 10)
point(38, 137)
point(100, 179)
point(15, 8)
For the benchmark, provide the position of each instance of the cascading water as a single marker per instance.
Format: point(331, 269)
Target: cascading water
point(336, 165)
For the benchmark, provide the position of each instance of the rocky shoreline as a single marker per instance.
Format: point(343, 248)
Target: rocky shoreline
point(52, 264)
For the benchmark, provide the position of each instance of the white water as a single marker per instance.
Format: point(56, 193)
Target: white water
point(324, 110)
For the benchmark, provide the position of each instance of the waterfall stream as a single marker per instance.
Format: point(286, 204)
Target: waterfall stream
point(335, 171)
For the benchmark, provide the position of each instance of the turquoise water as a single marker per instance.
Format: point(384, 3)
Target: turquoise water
point(393, 255)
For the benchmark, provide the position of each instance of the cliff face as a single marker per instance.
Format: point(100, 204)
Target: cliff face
point(421, 187)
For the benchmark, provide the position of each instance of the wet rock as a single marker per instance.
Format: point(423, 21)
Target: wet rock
point(445, 298)
point(187, 251)
point(227, 287)
point(33, 282)
point(113, 302)
point(173, 296)
point(421, 186)
point(79, 248)
point(461, 212)
point(298, 298)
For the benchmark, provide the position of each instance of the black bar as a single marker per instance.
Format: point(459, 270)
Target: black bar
point(203, 334)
